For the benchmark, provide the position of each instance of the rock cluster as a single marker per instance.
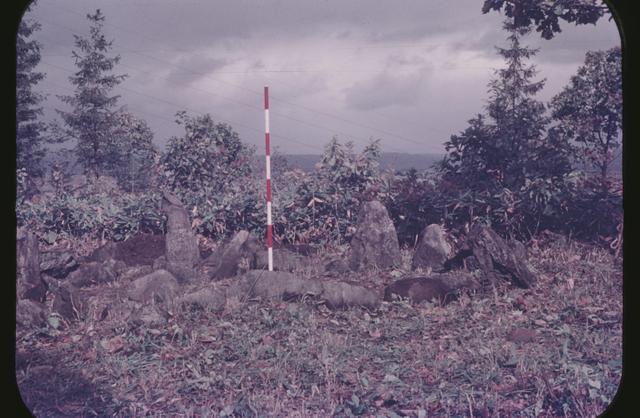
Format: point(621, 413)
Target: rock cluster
point(154, 273)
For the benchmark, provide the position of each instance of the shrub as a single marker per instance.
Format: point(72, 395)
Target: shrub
point(65, 215)
point(413, 201)
point(209, 168)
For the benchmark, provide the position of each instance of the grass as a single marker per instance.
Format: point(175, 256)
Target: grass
point(271, 358)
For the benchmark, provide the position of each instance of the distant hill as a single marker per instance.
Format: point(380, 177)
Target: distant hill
point(394, 160)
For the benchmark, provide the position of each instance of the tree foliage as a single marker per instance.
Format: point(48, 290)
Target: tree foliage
point(505, 167)
point(546, 15)
point(589, 109)
point(93, 118)
point(322, 206)
point(29, 130)
point(134, 141)
point(209, 168)
point(208, 156)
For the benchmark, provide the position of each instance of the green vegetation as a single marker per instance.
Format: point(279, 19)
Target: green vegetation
point(516, 167)
point(273, 358)
point(29, 131)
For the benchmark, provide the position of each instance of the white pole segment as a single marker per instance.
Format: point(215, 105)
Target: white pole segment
point(268, 175)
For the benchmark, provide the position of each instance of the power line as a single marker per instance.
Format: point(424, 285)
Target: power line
point(207, 76)
point(198, 112)
point(274, 113)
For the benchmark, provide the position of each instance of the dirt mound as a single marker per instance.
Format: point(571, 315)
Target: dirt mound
point(140, 249)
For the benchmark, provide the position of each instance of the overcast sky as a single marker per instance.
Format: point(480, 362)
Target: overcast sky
point(411, 72)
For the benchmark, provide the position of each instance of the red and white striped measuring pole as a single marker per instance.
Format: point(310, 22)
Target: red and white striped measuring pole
point(268, 162)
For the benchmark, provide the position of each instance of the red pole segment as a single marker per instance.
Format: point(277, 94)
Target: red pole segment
point(268, 167)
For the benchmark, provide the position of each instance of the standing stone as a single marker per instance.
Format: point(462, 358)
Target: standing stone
point(432, 250)
point(375, 242)
point(28, 282)
point(499, 258)
point(227, 259)
point(181, 243)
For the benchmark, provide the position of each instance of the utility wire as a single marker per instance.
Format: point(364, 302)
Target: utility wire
point(274, 98)
point(198, 112)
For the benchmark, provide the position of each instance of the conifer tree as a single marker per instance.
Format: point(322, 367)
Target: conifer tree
point(506, 165)
point(504, 148)
point(93, 118)
point(29, 130)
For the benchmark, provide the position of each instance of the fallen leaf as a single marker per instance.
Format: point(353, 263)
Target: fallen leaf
point(114, 344)
point(375, 334)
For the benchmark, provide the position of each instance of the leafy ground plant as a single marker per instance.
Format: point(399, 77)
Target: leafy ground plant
point(553, 350)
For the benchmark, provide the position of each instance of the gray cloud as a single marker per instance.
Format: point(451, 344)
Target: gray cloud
point(190, 69)
point(385, 90)
point(410, 72)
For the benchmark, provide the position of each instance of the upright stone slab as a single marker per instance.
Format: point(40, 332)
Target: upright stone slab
point(432, 250)
point(180, 242)
point(375, 242)
point(28, 282)
point(499, 258)
point(227, 259)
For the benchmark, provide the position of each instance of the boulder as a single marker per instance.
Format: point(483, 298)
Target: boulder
point(285, 286)
point(69, 302)
point(159, 263)
point(341, 295)
point(272, 284)
point(226, 259)
point(181, 244)
point(131, 273)
point(441, 287)
point(160, 284)
point(432, 250)
point(301, 249)
point(96, 273)
point(283, 260)
point(29, 284)
point(336, 267)
point(375, 242)
point(499, 258)
point(183, 272)
point(205, 298)
point(58, 264)
point(30, 314)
